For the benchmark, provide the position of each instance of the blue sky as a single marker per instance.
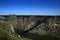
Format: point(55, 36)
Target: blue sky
point(30, 7)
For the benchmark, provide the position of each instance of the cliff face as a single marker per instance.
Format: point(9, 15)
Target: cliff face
point(23, 23)
point(43, 31)
point(50, 26)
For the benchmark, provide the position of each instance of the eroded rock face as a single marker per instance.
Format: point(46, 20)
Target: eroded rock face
point(51, 25)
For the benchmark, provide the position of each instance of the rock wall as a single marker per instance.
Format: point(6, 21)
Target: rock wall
point(50, 26)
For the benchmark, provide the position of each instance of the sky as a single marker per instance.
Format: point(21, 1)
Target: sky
point(30, 7)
